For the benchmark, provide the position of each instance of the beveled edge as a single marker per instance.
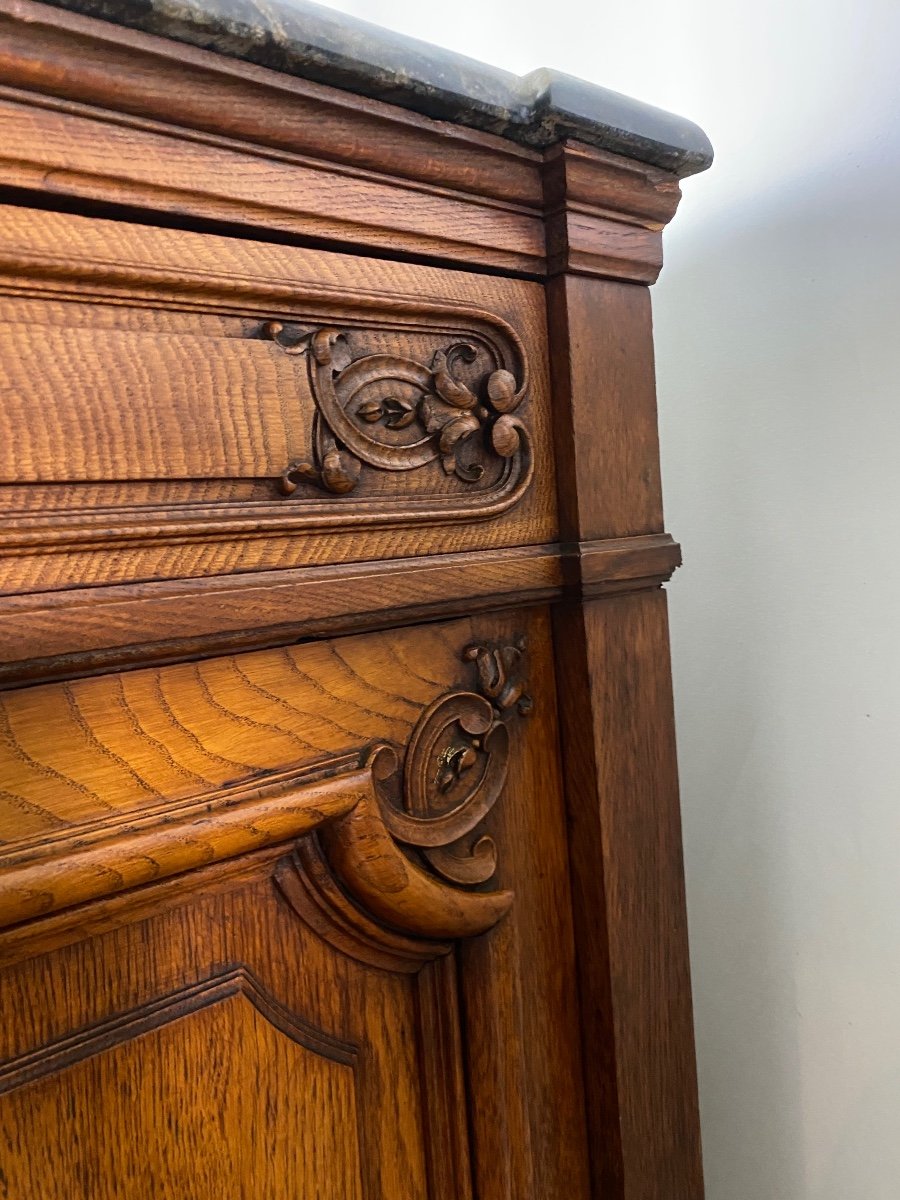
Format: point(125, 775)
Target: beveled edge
point(309, 41)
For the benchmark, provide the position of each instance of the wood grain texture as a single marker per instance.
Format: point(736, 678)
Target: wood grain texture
point(378, 916)
point(152, 437)
point(584, 243)
point(625, 838)
point(528, 1127)
point(604, 390)
point(191, 1116)
point(453, 774)
point(392, 1061)
point(605, 214)
point(582, 178)
point(618, 756)
point(86, 630)
point(136, 1067)
point(88, 156)
point(250, 147)
point(56, 53)
point(49, 872)
point(122, 743)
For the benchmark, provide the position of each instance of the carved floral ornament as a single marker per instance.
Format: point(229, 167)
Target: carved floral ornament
point(434, 416)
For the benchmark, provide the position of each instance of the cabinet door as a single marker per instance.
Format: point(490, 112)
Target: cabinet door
point(291, 924)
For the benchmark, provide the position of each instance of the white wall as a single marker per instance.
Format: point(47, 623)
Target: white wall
point(778, 339)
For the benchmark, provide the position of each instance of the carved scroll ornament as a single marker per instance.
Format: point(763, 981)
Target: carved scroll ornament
point(410, 854)
point(387, 853)
point(433, 416)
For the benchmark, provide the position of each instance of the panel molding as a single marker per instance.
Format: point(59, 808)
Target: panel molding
point(234, 980)
point(296, 304)
point(83, 631)
point(102, 858)
point(397, 827)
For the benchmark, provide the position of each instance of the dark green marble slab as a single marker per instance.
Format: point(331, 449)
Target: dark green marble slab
point(317, 43)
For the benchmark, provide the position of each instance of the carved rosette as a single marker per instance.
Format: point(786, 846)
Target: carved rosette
point(392, 413)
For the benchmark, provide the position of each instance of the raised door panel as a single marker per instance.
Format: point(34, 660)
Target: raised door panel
point(214, 1049)
point(213, 1085)
point(293, 920)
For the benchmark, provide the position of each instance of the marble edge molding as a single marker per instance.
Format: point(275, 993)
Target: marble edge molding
point(300, 38)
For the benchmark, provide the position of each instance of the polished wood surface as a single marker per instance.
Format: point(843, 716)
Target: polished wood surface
point(281, 959)
point(339, 833)
point(258, 150)
point(148, 433)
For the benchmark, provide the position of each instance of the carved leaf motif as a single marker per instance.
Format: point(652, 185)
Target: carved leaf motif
point(500, 674)
point(505, 436)
point(338, 474)
point(398, 413)
point(371, 411)
point(460, 430)
point(451, 390)
point(454, 772)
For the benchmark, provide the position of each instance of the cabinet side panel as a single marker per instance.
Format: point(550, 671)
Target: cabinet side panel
point(626, 853)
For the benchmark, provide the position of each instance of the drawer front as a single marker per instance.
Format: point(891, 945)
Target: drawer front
point(292, 923)
point(180, 405)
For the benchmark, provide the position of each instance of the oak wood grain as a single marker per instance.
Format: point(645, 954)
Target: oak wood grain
point(618, 757)
point(151, 437)
point(130, 1083)
point(305, 897)
point(629, 904)
point(82, 631)
point(49, 872)
point(604, 388)
point(85, 155)
point(270, 1104)
point(175, 972)
point(57, 53)
point(248, 146)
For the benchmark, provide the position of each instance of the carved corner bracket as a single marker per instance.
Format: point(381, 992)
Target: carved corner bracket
point(409, 853)
point(434, 416)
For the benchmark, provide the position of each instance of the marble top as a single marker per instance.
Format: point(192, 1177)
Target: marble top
point(307, 40)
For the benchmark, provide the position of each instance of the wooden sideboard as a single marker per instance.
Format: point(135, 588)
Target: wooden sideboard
point(339, 832)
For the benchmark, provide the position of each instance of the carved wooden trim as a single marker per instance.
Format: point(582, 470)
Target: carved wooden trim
point(454, 771)
point(388, 884)
point(100, 858)
point(309, 886)
point(277, 289)
point(120, 1028)
point(445, 420)
point(395, 839)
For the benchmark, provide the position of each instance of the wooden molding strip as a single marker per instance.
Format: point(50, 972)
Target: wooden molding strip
point(119, 1028)
point(361, 830)
point(56, 53)
point(102, 115)
point(622, 564)
point(88, 862)
point(84, 155)
point(81, 631)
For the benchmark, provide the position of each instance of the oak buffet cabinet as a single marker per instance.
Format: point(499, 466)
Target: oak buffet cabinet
point(339, 832)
